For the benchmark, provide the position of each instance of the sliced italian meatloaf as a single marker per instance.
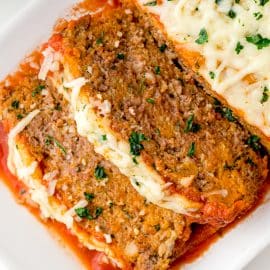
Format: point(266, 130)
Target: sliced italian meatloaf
point(180, 148)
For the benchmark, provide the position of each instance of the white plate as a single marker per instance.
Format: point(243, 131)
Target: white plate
point(25, 244)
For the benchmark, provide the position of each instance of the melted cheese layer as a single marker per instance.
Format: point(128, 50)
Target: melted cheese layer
point(146, 181)
point(240, 78)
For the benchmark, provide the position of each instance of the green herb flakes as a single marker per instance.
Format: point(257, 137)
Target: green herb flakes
point(37, 90)
point(83, 212)
point(231, 14)
point(259, 41)
point(212, 75)
point(203, 37)
point(265, 95)
point(239, 47)
point(100, 40)
point(49, 139)
point(150, 100)
point(254, 142)
point(135, 141)
point(263, 2)
point(191, 126)
point(100, 173)
point(104, 137)
point(224, 111)
point(157, 70)
point(120, 56)
point(163, 47)
point(89, 196)
point(15, 104)
point(228, 114)
point(152, 3)
point(257, 15)
point(98, 212)
point(135, 161)
point(191, 150)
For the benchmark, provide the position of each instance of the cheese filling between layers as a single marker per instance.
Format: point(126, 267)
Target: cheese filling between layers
point(19, 164)
point(234, 40)
point(147, 182)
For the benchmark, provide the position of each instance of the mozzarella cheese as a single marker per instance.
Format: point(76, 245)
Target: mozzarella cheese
point(226, 69)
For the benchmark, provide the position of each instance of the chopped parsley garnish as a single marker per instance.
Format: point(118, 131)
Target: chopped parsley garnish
point(120, 56)
point(89, 196)
point(254, 142)
point(157, 70)
point(37, 90)
point(152, 3)
point(258, 15)
point(135, 161)
point(191, 150)
point(163, 47)
point(83, 212)
point(239, 47)
point(191, 126)
point(104, 137)
point(263, 2)
point(203, 37)
point(58, 107)
point(135, 140)
point(15, 104)
point(19, 116)
point(231, 14)
point(137, 183)
point(111, 204)
point(225, 112)
point(228, 114)
point(100, 172)
point(265, 95)
point(150, 100)
point(237, 1)
point(217, 1)
point(100, 39)
point(50, 139)
point(157, 227)
point(258, 41)
point(98, 212)
point(212, 75)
